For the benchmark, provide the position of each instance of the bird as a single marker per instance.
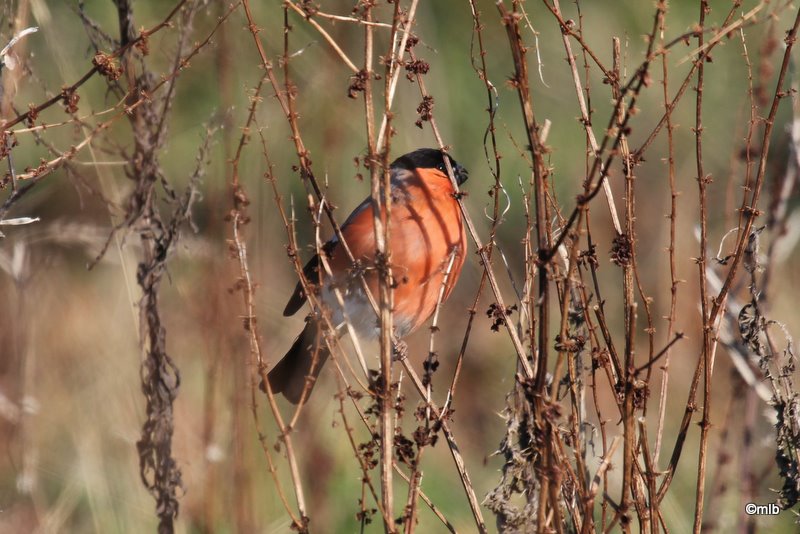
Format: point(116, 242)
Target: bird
point(427, 235)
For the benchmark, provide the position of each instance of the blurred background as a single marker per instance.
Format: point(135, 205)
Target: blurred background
point(71, 407)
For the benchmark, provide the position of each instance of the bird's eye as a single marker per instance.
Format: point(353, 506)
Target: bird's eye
point(441, 167)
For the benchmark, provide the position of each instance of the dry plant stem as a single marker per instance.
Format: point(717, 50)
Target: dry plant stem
point(354, 20)
point(393, 70)
point(482, 251)
point(631, 276)
point(416, 474)
point(650, 477)
point(751, 212)
point(702, 181)
point(366, 478)
point(259, 365)
point(339, 300)
point(427, 500)
point(291, 94)
point(599, 476)
point(719, 301)
point(414, 482)
point(539, 184)
point(752, 209)
point(607, 367)
point(72, 121)
point(577, 418)
point(115, 54)
point(321, 312)
point(397, 469)
point(127, 110)
point(435, 322)
point(160, 377)
point(586, 121)
point(485, 260)
point(255, 353)
point(491, 110)
point(684, 85)
point(316, 305)
point(615, 129)
point(629, 306)
point(751, 130)
point(325, 35)
point(662, 399)
point(549, 488)
point(621, 116)
point(454, 450)
point(722, 33)
point(566, 29)
point(381, 204)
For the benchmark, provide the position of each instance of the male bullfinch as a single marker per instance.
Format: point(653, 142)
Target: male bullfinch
point(426, 229)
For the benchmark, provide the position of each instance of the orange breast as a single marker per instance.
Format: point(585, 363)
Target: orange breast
point(425, 229)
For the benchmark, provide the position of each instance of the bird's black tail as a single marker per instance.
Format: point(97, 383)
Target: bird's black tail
point(298, 370)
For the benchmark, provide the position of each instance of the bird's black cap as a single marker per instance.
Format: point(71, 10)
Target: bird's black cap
point(430, 158)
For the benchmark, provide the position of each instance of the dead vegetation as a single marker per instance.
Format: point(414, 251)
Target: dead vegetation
point(633, 266)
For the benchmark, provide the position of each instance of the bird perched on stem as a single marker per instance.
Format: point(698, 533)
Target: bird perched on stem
point(426, 238)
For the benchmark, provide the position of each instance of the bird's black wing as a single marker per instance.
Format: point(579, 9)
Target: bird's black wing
point(311, 270)
point(311, 273)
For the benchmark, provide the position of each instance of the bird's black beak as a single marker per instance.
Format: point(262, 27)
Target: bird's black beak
point(461, 174)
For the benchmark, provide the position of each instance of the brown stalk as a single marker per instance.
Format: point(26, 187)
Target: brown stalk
point(325, 35)
point(416, 475)
point(629, 305)
point(702, 181)
point(711, 318)
point(496, 189)
point(381, 210)
point(481, 249)
point(585, 120)
point(751, 211)
point(453, 446)
point(240, 202)
point(115, 54)
point(366, 478)
point(599, 476)
point(686, 81)
point(561, 471)
point(160, 378)
point(673, 210)
point(549, 486)
point(718, 303)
